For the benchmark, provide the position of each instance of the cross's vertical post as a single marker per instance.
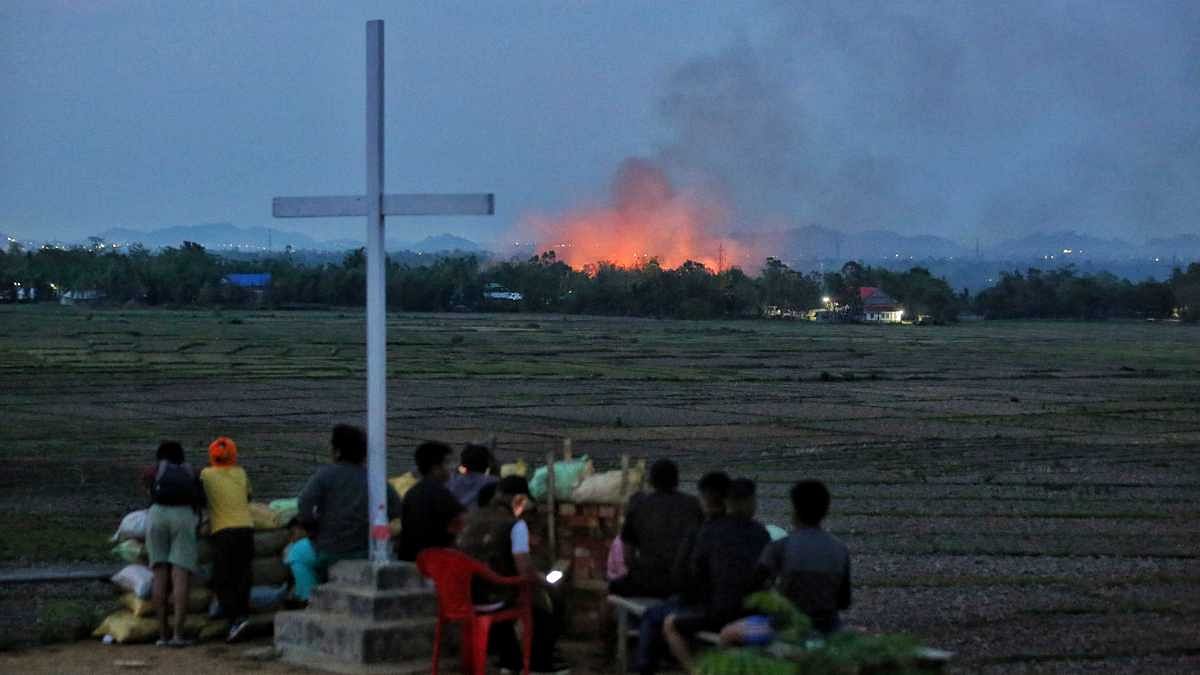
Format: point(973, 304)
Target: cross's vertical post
point(376, 302)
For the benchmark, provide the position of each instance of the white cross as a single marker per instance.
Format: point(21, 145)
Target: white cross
point(375, 205)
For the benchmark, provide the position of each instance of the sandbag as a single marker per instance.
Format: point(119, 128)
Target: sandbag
point(517, 468)
point(133, 526)
point(567, 476)
point(402, 484)
point(267, 543)
point(198, 599)
point(137, 579)
point(130, 551)
point(263, 517)
point(214, 629)
point(126, 628)
point(262, 599)
point(286, 509)
point(605, 488)
point(270, 572)
point(270, 542)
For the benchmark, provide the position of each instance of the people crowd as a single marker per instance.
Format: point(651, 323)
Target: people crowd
point(696, 559)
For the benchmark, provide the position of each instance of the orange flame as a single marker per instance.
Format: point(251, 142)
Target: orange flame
point(647, 220)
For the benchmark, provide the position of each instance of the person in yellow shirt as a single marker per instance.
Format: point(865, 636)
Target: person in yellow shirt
point(228, 490)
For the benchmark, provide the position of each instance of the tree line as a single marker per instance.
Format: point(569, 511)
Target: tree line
point(189, 275)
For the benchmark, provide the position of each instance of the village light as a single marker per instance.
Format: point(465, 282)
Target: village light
point(825, 300)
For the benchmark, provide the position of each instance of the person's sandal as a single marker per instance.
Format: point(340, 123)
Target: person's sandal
point(162, 643)
point(179, 642)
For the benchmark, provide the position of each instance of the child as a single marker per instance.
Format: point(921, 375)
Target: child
point(301, 559)
point(228, 491)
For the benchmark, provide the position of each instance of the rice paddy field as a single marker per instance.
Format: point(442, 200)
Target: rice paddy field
point(1025, 494)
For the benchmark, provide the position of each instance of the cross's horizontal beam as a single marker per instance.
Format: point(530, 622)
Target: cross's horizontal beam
point(393, 205)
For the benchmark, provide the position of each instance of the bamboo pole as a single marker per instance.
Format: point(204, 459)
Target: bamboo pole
point(551, 532)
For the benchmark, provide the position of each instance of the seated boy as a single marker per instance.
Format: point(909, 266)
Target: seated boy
point(726, 550)
point(301, 559)
point(810, 566)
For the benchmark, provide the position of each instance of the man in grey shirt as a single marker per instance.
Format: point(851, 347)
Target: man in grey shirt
point(810, 566)
point(334, 502)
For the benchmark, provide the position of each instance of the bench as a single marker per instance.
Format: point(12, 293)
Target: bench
point(625, 607)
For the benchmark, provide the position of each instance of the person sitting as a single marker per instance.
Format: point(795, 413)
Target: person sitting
point(714, 489)
point(726, 550)
point(227, 489)
point(301, 559)
point(171, 544)
point(473, 473)
point(810, 567)
point(430, 516)
point(656, 525)
point(496, 535)
point(335, 502)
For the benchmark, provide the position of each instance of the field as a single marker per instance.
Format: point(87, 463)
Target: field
point(1026, 494)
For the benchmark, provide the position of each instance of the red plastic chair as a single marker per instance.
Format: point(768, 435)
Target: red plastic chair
point(452, 572)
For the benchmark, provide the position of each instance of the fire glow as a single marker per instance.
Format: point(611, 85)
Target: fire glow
point(648, 219)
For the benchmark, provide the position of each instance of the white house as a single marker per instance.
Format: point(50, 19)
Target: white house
point(879, 307)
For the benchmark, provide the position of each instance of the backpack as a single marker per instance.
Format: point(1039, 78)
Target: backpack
point(176, 485)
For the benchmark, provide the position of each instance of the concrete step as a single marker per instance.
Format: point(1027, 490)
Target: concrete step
point(340, 598)
point(299, 655)
point(390, 576)
point(355, 639)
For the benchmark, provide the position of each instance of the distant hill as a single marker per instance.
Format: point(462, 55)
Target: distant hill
point(816, 242)
point(1062, 243)
point(216, 236)
point(1181, 247)
point(226, 237)
point(444, 242)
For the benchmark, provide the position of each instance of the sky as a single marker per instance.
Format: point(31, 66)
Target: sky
point(965, 119)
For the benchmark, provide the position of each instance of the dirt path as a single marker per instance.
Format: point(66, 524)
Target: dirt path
point(94, 658)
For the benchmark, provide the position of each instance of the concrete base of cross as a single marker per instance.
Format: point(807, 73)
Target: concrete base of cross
point(368, 619)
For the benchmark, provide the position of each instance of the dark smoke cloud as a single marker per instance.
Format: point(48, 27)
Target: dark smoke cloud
point(961, 119)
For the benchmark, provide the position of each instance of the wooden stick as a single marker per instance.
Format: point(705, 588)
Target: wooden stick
point(568, 451)
point(624, 477)
point(551, 534)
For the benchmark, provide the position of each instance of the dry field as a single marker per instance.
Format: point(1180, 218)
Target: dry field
point(1025, 494)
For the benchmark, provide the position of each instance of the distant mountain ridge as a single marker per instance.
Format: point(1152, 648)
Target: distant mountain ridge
point(225, 237)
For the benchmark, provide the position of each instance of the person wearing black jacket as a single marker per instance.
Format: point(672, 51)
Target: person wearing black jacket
point(720, 570)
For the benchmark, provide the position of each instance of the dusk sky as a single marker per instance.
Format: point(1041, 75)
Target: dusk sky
point(960, 119)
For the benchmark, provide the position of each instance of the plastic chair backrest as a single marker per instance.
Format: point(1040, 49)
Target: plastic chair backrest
point(452, 572)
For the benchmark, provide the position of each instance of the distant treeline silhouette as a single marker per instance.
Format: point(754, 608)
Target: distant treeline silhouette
point(189, 275)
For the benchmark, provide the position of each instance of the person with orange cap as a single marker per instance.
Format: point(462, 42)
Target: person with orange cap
point(228, 491)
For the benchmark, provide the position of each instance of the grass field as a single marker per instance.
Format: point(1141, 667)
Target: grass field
point(1023, 493)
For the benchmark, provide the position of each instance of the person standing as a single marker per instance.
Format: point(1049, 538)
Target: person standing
point(177, 498)
point(227, 488)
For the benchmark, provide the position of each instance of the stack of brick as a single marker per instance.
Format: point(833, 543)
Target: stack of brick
point(585, 532)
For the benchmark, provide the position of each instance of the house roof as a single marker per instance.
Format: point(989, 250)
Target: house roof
point(874, 298)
